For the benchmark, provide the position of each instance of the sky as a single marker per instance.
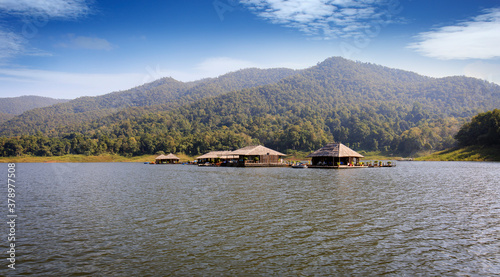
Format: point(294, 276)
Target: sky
point(72, 48)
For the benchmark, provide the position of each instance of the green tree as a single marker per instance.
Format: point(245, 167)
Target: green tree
point(484, 129)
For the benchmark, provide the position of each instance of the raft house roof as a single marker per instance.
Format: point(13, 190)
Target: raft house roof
point(167, 157)
point(335, 150)
point(218, 154)
point(256, 150)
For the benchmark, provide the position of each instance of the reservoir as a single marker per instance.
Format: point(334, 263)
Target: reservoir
point(133, 219)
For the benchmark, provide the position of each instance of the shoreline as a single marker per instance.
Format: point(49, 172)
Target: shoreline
point(466, 154)
point(455, 154)
point(106, 158)
point(110, 158)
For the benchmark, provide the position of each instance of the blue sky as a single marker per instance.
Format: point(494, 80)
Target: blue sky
point(73, 48)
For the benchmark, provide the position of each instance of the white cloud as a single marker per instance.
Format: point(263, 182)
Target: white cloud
point(326, 18)
point(16, 82)
point(82, 42)
point(35, 14)
point(48, 8)
point(478, 38)
point(482, 70)
point(11, 44)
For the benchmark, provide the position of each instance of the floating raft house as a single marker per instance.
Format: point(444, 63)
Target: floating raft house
point(216, 157)
point(168, 159)
point(259, 156)
point(250, 156)
point(335, 155)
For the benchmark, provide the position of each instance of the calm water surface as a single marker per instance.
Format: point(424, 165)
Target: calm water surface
point(125, 219)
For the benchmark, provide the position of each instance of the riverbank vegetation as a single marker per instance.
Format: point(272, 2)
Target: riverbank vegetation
point(469, 153)
point(73, 158)
point(479, 140)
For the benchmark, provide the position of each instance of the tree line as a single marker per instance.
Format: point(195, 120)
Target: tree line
point(482, 130)
point(204, 132)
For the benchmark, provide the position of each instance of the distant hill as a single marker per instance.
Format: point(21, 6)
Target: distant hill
point(12, 106)
point(18, 105)
point(365, 106)
point(167, 92)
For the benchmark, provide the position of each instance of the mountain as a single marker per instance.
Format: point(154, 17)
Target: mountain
point(363, 105)
point(164, 94)
point(368, 106)
point(5, 116)
point(12, 106)
point(18, 105)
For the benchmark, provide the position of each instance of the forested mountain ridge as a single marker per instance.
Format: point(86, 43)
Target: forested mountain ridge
point(12, 106)
point(366, 106)
point(355, 81)
point(165, 93)
point(335, 100)
point(5, 116)
point(18, 105)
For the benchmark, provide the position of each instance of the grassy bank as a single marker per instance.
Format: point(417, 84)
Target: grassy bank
point(471, 153)
point(106, 158)
point(378, 156)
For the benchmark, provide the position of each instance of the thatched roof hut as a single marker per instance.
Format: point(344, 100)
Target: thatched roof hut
point(168, 159)
point(334, 154)
point(212, 156)
point(256, 150)
point(258, 155)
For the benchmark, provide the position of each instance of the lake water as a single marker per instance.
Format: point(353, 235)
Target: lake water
point(132, 219)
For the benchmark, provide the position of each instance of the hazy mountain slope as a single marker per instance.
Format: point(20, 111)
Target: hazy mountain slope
point(12, 106)
point(18, 105)
point(167, 92)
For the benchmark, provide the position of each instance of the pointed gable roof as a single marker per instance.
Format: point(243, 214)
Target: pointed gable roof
point(172, 157)
point(217, 154)
point(335, 150)
point(256, 150)
point(167, 157)
point(161, 157)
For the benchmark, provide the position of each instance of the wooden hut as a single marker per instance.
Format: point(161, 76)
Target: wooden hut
point(335, 155)
point(217, 157)
point(258, 156)
point(168, 159)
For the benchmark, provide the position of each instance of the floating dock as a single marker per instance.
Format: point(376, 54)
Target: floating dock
point(348, 167)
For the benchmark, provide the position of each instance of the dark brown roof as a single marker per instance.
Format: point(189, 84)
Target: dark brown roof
point(335, 150)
